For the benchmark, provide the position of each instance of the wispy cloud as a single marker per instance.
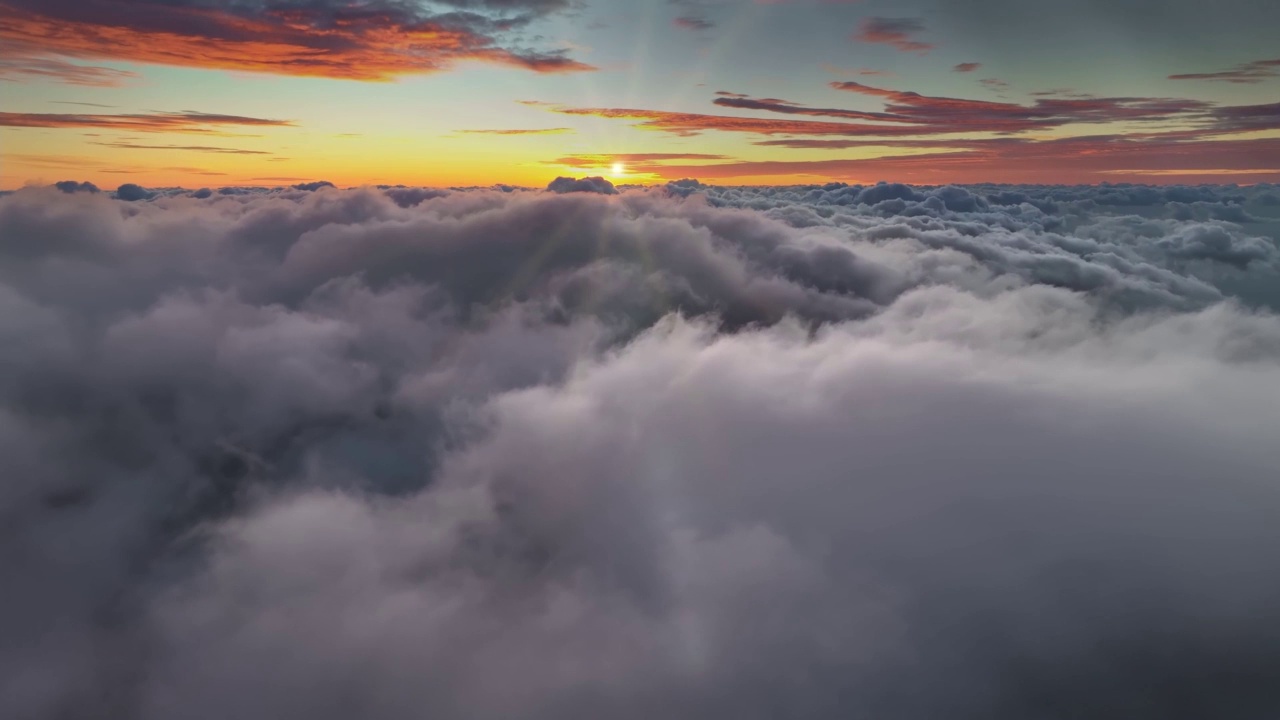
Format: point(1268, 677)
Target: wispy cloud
point(1082, 160)
point(1245, 73)
point(173, 122)
point(693, 14)
point(46, 68)
point(693, 22)
point(603, 159)
point(183, 148)
point(81, 104)
point(1008, 117)
point(689, 124)
point(897, 32)
point(519, 131)
point(194, 170)
point(53, 161)
point(743, 102)
point(855, 72)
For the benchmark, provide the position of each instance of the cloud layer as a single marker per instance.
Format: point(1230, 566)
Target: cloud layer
point(976, 141)
point(374, 40)
point(821, 451)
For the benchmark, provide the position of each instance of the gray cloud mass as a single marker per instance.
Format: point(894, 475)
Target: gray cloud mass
point(691, 451)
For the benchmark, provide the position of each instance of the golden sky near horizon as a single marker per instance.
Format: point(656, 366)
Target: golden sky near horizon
point(458, 92)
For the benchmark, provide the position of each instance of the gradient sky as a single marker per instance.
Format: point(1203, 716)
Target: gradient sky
point(473, 92)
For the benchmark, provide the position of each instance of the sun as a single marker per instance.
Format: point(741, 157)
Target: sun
point(617, 169)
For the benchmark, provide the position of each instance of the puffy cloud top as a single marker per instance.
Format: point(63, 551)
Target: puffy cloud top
point(72, 186)
point(131, 192)
point(594, 184)
point(312, 186)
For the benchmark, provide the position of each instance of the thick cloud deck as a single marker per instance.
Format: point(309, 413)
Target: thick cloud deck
point(688, 452)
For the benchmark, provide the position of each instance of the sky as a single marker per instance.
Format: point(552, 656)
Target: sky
point(194, 93)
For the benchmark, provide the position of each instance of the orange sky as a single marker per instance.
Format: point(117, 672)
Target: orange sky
point(178, 94)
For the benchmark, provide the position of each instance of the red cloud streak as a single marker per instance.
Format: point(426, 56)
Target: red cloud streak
point(310, 40)
point(1084, 160)
point(184, 122)
point(896, 32)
